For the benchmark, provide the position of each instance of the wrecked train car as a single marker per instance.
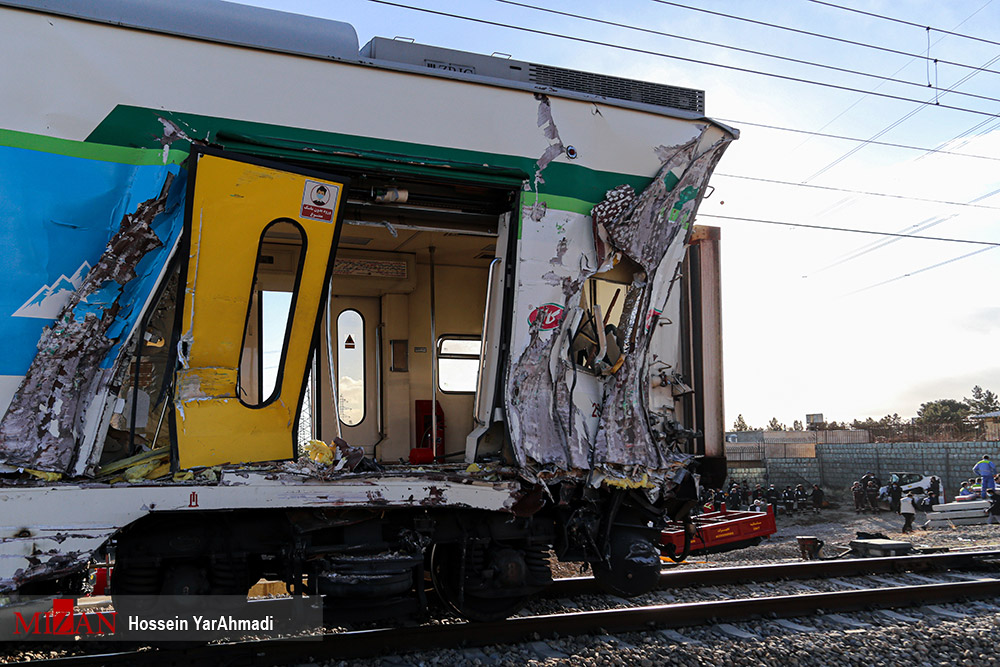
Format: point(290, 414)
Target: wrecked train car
point(354, 313)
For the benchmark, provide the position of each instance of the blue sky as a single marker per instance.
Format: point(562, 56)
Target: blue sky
point(815, 321)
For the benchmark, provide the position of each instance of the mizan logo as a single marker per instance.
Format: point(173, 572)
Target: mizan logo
point(61, 620)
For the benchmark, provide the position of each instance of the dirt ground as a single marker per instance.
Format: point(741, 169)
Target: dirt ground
point(836, 527)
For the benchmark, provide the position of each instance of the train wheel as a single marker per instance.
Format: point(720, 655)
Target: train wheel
point(446, 575)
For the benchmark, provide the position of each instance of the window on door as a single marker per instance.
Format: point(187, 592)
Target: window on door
point(269, 318)
point(351, 367)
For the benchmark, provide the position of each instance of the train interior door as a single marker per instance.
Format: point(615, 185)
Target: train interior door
point(355, 325)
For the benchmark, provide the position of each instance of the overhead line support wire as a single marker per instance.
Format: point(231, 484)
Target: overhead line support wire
point(857, 192)
point(913, 273)
point(797, 61)
point(856, 139)
point(633, 49)
point(821, 35)
point(905, 22)
point(847, 229)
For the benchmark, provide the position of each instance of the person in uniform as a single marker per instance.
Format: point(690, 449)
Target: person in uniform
point(987, 470)
point(907, 511)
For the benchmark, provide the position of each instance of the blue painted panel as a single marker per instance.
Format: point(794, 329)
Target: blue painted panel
point(57, 215)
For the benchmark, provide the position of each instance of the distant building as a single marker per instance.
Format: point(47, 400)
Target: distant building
point(991, 420)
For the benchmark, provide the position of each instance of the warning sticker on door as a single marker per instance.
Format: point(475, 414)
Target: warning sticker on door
point(319, 200)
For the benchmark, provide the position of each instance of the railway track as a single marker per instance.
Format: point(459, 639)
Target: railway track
point(369, 643)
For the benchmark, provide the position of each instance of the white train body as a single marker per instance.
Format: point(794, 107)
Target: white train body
point(236, 232)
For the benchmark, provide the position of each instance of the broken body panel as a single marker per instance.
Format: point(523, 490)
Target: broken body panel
point(583, 382)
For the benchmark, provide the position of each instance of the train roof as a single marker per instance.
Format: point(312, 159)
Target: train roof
point(284, 32)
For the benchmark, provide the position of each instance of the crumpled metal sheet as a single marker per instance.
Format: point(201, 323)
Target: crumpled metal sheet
point(45, 424)
point(660, 217)
point(549, 421)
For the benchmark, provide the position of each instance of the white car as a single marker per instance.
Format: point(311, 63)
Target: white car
point(912, 481)
point(916, 482)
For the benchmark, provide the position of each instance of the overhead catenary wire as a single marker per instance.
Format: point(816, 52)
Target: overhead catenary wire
point(910, 274)
point(900, 69)
point(879, 243)
point(882, 243)
point(922, 103)
point(826, 135)
point(799, 61)
point(905, 22)
point(890, 126)
point(848, 229)
point(669, 56)
point(820, 35)
point(855, 192)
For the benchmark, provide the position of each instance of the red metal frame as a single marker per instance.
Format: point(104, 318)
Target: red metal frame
point(715, 529)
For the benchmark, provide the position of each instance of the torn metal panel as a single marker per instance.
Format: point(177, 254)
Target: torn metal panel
point(54, 420)
point(551, 132)
point(72, 213)
point(553, 428)
point(659, 221)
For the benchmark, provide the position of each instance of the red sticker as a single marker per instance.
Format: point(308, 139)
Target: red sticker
point(551, 314)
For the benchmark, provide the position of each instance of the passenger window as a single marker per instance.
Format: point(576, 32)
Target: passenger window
point(458, 364)
point(269, 316)
point(351, 367)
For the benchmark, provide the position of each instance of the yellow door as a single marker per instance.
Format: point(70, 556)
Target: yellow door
point(244, 347)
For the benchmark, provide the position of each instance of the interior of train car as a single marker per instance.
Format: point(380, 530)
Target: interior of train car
point(406, 312)
point(416, 261)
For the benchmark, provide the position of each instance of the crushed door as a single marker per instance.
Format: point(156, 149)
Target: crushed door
point(237, 396)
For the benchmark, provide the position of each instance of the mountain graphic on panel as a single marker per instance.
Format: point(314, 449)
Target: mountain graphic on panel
point(48, 301)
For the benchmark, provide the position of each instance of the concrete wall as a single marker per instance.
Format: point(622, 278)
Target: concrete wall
point(951, 461)
point(836, 466)
point(751, 475)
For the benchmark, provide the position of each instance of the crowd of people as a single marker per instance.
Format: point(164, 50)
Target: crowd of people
point(740, 496)
point(869, 494)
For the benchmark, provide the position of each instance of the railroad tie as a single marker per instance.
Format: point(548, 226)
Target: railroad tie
point(545, 651)
point(846, 584)
point(677, 637)
point(896, 616)
point(845, 621)
point(736, 633)
point(927, 580)
point(945, 613)
point(793, 626)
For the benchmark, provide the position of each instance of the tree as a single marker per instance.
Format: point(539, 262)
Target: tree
point(982, 401)
point(891, 421)
point(797, 425)
point(740, 424)
point(942, 411)
point(775, 425)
